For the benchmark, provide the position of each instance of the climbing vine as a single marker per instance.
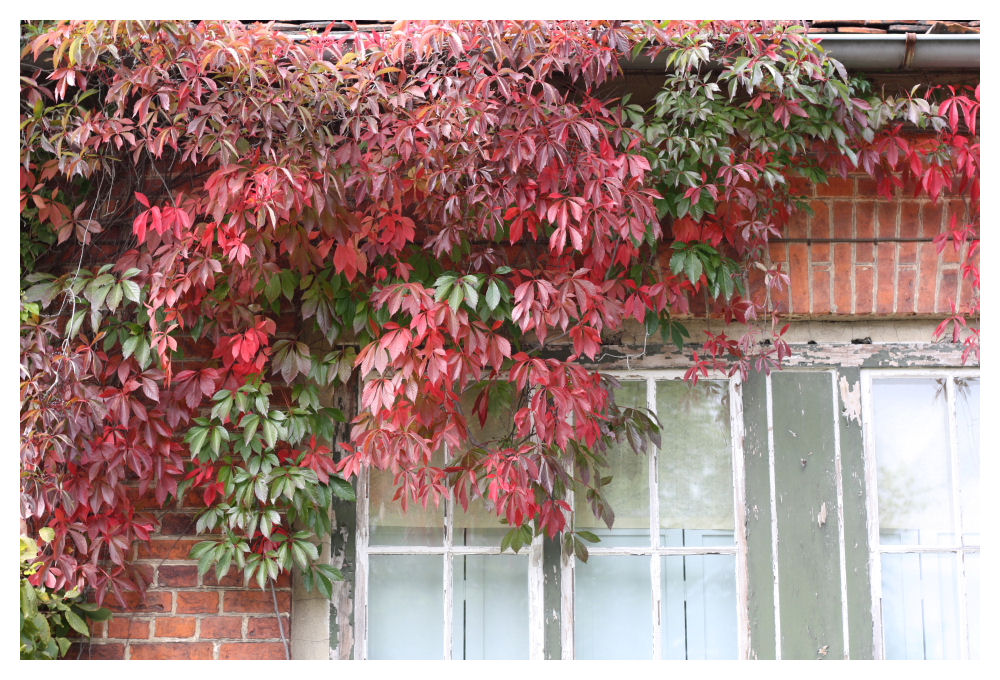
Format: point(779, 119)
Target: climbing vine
point(222, 225)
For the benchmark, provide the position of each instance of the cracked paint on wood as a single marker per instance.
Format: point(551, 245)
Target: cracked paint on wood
point(810, 598)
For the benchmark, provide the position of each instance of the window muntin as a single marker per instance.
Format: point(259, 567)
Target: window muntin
point(663, 582)
point(922, 432)
point(667, 592)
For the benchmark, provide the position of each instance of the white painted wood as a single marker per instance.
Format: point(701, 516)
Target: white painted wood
point(536, 601)
point(361, 571)
point(449, 580)
point(956, 510)
point(871, 482)
point(567, 587)
point(740, 509)
point(841, 539)
point(654, 528)
point(774, 516)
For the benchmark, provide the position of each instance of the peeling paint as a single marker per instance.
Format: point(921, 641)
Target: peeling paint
point(851, 398)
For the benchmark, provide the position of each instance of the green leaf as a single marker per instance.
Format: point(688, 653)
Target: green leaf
point(47, 534)
point(342, 489)
point(76, 623)
point(492, 295)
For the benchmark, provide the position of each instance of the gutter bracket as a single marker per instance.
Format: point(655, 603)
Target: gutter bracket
point(910, 50)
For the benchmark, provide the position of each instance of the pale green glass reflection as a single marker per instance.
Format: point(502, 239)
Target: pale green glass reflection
point(628, 493)
point(699, 607)
point(967, 427)
point(694, 466)
point(920, 606)
point(490, 615)
point(391, 526)
point(613, 608)
point(406, 607)
point(910, 428)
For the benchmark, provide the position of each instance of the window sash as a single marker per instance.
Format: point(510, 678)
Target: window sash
point(655, 550)
point(959, 549)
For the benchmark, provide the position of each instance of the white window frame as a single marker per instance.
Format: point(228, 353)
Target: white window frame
point(536, 615)
point(448, 550)
point(655, 551)
point(871, 473)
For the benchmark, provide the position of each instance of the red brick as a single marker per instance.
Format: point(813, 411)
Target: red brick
point(907, 253)
point(201, 602)
point(797, 225)
point(885, 297)
point(909, 219)
point(821, 290)
point(172, 650)
point(864, 252)
point(927, 282)
point(234, 579)
point(931, 219)
point(948, 290)
point(98, 629)
point(105, 651)
point(252, 650)
point(843, 267)
point(215, 627)
point(166, 549)
point(864, 287)
point(843, 220)
point(819, 252)
point(864, 219)
point(255, 601)
point(177, 524)
point(155, 601)
point(951, 256)
point(798, 267)
point(906, 279)
point(177, 575)
point(778, 251)
point(819, 222)
point(836, 186)
point(128, 628)
point(174, 627)
point(266, 627)
point(800, 186)
point(887, 219)
point(867, 186)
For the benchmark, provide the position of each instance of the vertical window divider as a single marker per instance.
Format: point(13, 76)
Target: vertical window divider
point(449, 561)
point(536, 601)
point(567, 586)
point(739, 510)
point(654, 528)
point(838, 465)
point(774, 515)
point(874, 541)
point(361, 574)
point(956, 510)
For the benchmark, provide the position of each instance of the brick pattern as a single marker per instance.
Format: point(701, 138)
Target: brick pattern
point(886, 278)
point(184, 616)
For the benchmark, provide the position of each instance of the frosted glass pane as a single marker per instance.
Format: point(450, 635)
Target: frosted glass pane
point(478, 526)
point(913, 459)
point(967, 413)
point(490, 619)
point(695, 461)
point(920, 606)
point(972, 595)
point(699, 607)
point(628, 493)
point(613, 607)
point(391, 526)
point(406, 607)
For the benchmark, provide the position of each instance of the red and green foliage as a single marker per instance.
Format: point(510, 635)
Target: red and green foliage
point(436, 210)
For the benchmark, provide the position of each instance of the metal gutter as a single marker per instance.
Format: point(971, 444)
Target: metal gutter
point(904, 51)
point(879, 53)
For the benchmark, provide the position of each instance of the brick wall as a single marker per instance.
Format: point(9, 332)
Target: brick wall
point(185, 616)
point(859, 255)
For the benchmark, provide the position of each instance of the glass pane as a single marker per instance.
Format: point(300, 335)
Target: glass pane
point(490, 619)
point(613, 605)
point(406, 607)
point(967, 413)
point(920, 606)
point(699, 607)
point(628, 493)
point(478, 526)
point(694, 466)
point(972, 601)
point(914, 468)
point(391, 526)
